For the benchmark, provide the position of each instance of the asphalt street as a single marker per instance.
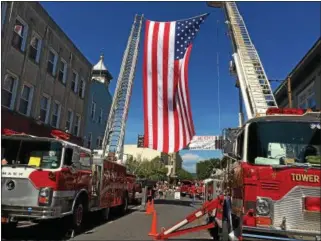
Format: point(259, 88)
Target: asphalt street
point(133, 226)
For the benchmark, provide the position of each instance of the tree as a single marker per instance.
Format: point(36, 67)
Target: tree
point(154, 169)
point(204, 169)
point(183, 174)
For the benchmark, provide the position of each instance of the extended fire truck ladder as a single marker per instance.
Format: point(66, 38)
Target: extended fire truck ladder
point(257, 96)
point(253, 82)
point(113, 140)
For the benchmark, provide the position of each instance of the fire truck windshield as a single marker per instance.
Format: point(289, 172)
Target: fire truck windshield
point(284, 143)
point(34, 153)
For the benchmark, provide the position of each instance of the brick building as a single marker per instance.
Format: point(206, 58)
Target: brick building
point(44, 76)
point(305, 82)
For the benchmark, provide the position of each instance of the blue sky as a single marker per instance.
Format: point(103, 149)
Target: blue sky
point(281, 31)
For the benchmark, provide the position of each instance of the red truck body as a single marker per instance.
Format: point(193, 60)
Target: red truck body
point(185, 187)
point(46, 178)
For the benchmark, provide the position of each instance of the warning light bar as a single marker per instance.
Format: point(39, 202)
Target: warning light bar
point(9, 132)
point(285, 111)
point(60, 134)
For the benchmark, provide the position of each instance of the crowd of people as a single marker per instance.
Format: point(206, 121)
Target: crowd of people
point(161, 190)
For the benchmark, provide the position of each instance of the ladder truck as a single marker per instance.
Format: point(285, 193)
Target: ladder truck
point(272, 189)
point(47, 178)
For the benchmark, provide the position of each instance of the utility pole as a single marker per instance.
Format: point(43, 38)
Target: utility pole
point(174, 164)
point(289, 91)
point(289, 88)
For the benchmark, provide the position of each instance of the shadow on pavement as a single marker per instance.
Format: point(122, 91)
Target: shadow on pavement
point(55, 230)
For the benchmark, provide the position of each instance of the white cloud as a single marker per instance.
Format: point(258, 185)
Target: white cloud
point(190, 157)
point(190, 168)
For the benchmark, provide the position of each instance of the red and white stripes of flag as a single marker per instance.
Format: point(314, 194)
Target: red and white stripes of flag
point(168, 123)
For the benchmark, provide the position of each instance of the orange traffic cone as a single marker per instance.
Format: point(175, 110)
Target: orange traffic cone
point(153, 230)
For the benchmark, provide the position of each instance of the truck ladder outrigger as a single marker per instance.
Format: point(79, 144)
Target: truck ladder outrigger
point(114, 136)
point(207, 208)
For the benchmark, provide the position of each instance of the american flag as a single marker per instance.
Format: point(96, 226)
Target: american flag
point(168, 119)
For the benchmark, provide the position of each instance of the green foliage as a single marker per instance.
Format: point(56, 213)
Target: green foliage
point(183, 174)
point(205, 168)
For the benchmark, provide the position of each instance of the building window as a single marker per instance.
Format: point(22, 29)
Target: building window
point(89, 140)
point(62, 74)
point(306, 98)
point(35, 48)
point(93, 110)
point(74, 82)
point(70, 116)
point(26, 100)
point(4, 6)
point(52, 62)
point(8, 92)
point(81, 92)
point(100, 118)
point(44, 108)
point(77, 126)
point(55, 117)
point(20, 33)
point(99, 142)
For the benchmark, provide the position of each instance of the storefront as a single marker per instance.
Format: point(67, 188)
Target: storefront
point(20, 123)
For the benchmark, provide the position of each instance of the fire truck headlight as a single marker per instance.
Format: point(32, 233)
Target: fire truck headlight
point(263, 206)
point(45, 196)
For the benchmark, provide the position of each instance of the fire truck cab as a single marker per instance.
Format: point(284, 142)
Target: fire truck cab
point(272, 188)
point(48, 178)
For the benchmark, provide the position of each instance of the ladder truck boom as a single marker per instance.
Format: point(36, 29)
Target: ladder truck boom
point(251, 77)
point(114, 136)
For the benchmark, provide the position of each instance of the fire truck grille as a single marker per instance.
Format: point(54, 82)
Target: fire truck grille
point(290, 207)
point(21, 193)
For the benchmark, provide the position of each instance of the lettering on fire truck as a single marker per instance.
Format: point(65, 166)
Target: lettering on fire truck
point(305, 178)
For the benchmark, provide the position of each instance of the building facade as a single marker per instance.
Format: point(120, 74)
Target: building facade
point(141, 154)
point(99, 104)
point(305, 81)
point(44, 76)
point(168, 159)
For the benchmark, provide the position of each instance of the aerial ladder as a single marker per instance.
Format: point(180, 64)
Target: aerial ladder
point(254, 90)
point(252, 81)
point(113, 140)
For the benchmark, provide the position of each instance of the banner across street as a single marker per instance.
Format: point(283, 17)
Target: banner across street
point(199, 143)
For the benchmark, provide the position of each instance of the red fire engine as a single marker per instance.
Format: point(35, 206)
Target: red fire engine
point(48, 178)
point(271, 185)
point(185, 187)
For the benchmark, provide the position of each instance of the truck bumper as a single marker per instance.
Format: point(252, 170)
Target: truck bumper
point(257, 233)
point(18, 213)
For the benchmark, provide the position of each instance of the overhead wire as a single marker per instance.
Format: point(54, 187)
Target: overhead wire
point(218, 75)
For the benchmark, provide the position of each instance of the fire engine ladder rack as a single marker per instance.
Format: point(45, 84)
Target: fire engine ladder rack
point(207, 208)
point(255, 87)
point(115, 129)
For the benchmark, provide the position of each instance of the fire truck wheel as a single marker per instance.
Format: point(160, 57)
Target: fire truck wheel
point(124, 206)
point(78, 215)
point(105, 214)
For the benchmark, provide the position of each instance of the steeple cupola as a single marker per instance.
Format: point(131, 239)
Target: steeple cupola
point(100, 72)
